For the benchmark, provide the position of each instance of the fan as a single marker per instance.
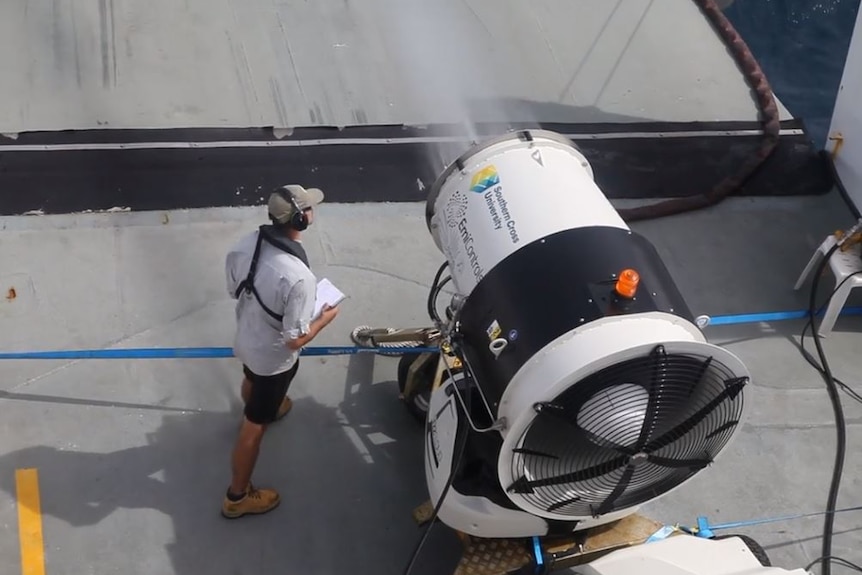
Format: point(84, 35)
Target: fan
point(584, 386)
point(626, 433)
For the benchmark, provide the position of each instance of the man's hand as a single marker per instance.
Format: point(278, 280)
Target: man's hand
point(327, 314)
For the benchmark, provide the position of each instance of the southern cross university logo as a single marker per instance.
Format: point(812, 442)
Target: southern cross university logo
point(484, 179)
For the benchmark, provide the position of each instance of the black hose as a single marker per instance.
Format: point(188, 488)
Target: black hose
point(436, 295)
point(840, 425)
point(432, 294)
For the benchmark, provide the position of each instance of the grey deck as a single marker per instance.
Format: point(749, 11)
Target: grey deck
point(203, 63)
point(133, 455)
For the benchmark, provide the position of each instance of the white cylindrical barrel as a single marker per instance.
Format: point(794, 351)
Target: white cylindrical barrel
point(604, 392)
point(507, 193)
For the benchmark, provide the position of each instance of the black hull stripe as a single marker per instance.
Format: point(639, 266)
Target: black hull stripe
point(75, 171)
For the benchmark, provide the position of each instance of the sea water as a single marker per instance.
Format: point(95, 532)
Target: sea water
point(801, 45)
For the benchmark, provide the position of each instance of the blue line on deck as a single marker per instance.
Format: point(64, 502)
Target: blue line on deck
point(743, 318)
point(225, 352)
point(194, 352)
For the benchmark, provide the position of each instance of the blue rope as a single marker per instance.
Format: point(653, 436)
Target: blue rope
point(216, 352)
point(196, 352)
point(704, 529)
point(773, 316)
point(537, 552)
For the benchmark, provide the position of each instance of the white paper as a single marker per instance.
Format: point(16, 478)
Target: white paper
point(327, 293)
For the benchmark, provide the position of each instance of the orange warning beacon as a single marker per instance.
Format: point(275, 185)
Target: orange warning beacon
point(627, 284)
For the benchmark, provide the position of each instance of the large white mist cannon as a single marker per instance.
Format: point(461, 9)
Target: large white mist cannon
point(585, 389)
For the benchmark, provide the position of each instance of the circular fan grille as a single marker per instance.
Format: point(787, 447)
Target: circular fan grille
point(627, 434)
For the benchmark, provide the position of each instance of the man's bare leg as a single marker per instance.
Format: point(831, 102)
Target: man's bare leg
point(241, 497)
point(244, 455)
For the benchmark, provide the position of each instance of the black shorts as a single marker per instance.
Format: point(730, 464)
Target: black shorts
point(267, 393)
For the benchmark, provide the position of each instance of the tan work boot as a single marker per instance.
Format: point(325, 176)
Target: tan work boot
point(256, 501)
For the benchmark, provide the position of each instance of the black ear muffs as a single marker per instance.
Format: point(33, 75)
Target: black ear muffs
point(298, 220)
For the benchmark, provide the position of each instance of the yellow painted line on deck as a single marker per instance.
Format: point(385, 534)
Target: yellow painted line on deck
point(30, 522)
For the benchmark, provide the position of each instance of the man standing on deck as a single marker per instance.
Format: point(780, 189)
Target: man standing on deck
point(268, 274)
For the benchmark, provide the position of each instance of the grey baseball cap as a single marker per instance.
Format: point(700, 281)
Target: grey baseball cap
point(281, 209)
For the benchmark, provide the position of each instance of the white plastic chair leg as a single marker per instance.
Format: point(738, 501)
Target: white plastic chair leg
point(812, 265)
point(836, 304)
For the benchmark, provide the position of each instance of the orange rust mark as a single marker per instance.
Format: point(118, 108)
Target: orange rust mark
point(11, 294)
point(838, 138)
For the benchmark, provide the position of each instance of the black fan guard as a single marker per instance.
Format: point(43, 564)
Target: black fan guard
point(578, 460)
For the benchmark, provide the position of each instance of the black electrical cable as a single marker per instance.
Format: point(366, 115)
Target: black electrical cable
point(436, 286)
point(840, 425)
point(846, 388)
point(456, 464)
point(838, 560)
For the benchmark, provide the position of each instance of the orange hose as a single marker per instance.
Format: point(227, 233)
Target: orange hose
point(770, 120)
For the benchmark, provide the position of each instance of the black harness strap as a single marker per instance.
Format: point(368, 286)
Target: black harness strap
point(293, 248)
